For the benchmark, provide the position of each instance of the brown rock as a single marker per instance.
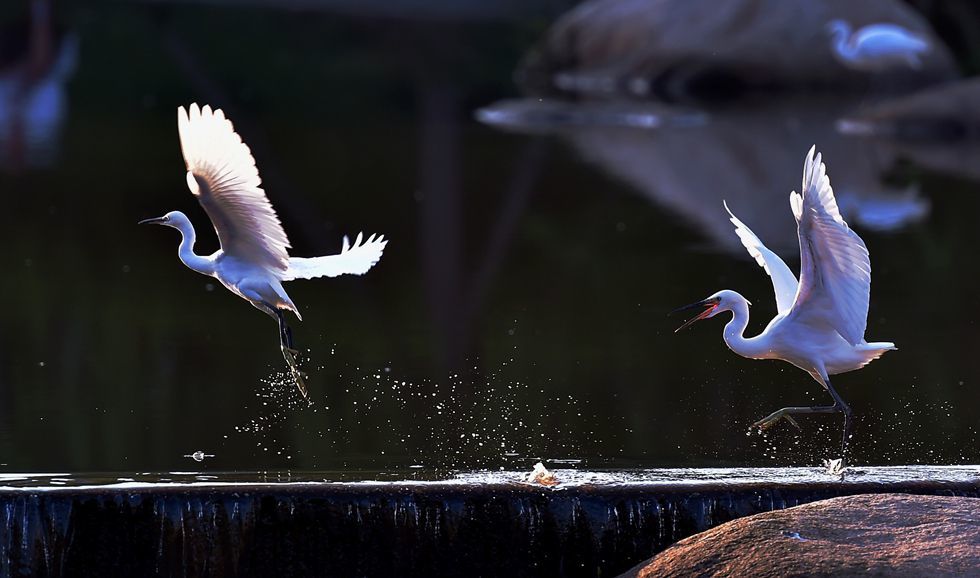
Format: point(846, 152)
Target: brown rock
point(864, 535)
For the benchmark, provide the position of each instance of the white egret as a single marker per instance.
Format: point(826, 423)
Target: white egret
point(821, 319)
point(876, 47)
point(253, 260)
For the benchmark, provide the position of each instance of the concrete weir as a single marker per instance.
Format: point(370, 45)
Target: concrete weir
point(471, 524)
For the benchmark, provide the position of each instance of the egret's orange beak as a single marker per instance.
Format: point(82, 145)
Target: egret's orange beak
point(709, 304)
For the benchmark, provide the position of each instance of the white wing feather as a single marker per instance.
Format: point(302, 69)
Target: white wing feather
point(835, 271)
point(784, 283)
point(222, 175)
point(352, 260)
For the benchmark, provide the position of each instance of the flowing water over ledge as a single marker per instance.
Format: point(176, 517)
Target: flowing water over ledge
point(593, 523)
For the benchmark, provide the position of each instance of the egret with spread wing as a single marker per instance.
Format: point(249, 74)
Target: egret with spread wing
point(253, 260)
point(821, 319)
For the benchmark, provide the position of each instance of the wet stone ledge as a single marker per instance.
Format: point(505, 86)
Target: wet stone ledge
point(479, 524)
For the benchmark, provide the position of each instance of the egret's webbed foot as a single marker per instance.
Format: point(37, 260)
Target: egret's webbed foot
point(786, 413)
point(838, 407)
point(835, 468)
point(771, 419)
point(299, 376)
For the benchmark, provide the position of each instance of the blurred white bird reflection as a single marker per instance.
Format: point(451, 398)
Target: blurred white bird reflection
point(885, 212)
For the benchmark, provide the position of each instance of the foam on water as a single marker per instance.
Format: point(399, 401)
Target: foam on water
point(567, 478)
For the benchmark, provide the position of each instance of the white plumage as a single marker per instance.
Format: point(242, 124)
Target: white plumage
point(783, 281)
point(221, 173)
point(253, 260)
point(877, 47)
point(352, 260)
point(835, 267)
point(821, 319)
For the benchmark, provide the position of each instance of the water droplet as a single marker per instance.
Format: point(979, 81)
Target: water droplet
point(198, 456)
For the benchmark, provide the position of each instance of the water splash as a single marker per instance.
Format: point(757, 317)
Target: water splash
point(474, 418)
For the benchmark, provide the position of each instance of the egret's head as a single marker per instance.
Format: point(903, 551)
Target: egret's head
point(171, 219)
point(723, 300)
point(838, 28)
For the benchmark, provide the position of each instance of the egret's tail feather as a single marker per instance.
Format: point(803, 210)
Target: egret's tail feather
point(353, 259)
point(872, 351)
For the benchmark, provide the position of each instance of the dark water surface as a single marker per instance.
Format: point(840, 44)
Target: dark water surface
point(519, 311)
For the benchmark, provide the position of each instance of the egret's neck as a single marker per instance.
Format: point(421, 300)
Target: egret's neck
point(842, 45)
point(186, 250)
point(736, 327)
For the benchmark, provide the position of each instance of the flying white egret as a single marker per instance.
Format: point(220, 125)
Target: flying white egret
point(821, 319)
point(876, 47)
point(253, 260)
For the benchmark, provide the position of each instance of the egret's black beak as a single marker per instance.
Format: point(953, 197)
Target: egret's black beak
point(154, 221)
point(709, 304)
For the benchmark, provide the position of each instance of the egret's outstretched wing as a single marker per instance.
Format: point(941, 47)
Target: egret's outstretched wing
point(222, 175)
point(835, 274)
point(783, 281)
point(353, 259)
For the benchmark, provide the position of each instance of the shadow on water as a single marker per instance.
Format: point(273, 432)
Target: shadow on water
point(688, 161)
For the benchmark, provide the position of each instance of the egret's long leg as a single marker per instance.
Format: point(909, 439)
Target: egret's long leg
point(285, 334)
point(786, 413)
point(846, 410)
point(839, 407)
point(290, 354)
point(273, 312)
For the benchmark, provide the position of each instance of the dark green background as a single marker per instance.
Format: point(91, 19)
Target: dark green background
point(487, 336)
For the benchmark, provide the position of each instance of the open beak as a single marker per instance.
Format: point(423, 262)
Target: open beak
point(709, 304)
point(153, 221)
